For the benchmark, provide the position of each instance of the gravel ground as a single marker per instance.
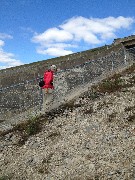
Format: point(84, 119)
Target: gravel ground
point(91, 140)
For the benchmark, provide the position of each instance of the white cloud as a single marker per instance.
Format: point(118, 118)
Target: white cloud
point(1, 43)
point(27, 29)
point(54, 51)
point(77, 31)
point(82, 27)
point(53, 35)
point(26, 32)
point(117, 23)
point(5, 36)
point(7, 59)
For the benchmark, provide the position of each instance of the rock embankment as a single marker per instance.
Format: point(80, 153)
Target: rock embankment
point(92, 137)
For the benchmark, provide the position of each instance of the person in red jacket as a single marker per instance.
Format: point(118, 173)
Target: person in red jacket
point(48, 87)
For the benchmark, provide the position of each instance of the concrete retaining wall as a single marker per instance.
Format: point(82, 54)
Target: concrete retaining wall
point(20, 95)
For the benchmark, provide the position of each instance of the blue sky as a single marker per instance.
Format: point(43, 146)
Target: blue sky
point(35, 30)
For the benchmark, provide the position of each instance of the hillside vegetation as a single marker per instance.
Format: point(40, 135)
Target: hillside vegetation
point(90, 138)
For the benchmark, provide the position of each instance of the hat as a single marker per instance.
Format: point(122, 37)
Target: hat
point(53, 68)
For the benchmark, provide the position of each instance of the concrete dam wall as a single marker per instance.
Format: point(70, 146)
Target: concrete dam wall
point(21, 97)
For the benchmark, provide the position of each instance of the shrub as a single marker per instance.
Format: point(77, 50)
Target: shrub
point(110, 85)
point(5, 177)
point(33, 126)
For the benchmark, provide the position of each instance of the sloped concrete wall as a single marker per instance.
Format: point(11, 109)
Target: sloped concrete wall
point(18, 101)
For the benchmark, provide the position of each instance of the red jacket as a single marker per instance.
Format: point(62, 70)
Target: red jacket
point(48, 79)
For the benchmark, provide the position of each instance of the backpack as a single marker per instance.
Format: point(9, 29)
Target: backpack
point(41, 83)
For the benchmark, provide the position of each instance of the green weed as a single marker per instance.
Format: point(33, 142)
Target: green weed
point(33, 126)
point(5, 177)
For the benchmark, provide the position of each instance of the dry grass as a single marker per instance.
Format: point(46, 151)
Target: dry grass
point(115, 82)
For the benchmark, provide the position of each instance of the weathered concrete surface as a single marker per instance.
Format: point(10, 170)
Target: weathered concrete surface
point(18, 102)
point(127, 41)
